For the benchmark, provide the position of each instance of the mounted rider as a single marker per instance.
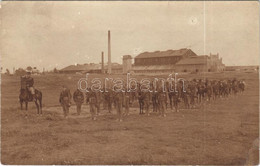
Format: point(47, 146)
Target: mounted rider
point(28, 81)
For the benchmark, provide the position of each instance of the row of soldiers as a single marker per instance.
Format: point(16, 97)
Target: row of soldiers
point(192, 93)
point(95, 99)
point(195, 92)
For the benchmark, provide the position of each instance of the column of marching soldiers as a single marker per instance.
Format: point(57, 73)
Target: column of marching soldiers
point(191, 94)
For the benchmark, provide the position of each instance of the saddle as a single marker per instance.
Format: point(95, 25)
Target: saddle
point(28, 93)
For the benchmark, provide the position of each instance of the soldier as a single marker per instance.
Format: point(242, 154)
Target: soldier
point(108, 97)
point(141, 102)
point(229, 87)
point(133, 94)
point(162, 101)
point(29, 84)
point(146, 101)
point(221, 89)
point(215, 89)
point(92, 100)
point(241, 86)
point(225, 89)
point(104, 99)
point(234, 86)
point(127, 102)
point(193, 92)
point(170, 94)
point(209, 91)
point(155, 100)
point(78, 98)
point(99, 100)
point(201, 90)
point(186, 95)
point(177, 96)
point(119, 97)
point(65, 97)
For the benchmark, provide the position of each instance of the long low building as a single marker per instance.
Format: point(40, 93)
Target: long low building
point(168, 57)
point(91, 68)
point(183, 60)
point(203, 63)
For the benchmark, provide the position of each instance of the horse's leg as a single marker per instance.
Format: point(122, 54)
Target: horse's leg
point(37, 105)
point(21, 103)
point(26, 108)
point(176, 104)
point(40, 101)
point(140, 106)
point(171, 102)
point(26, 105)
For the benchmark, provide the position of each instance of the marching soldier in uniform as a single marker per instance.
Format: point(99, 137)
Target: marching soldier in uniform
point(241, 86)
point(162, 101)
point(92, 100)
point(146, 101)
point(177, 95)
point(193, 93)
point(201, 91)
point(215, 90)
point(155, 101)
point(229, 87)
point(119, 97)
point(65, 97)
point(108, 97)
point(209, 91)
point(78, 98)
point(141, 102)
point(127, 102)
point(186, 95)
point(99, 100)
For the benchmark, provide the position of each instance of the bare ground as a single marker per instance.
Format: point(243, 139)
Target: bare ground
point(222, 132)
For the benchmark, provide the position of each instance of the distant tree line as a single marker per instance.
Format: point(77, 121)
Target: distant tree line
point(22, 71)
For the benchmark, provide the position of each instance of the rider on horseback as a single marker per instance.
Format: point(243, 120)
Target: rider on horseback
point(29, 84)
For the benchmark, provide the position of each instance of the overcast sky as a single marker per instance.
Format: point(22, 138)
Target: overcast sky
point(57, 34)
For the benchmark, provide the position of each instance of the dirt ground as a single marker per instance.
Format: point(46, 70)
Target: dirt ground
point(223, 132)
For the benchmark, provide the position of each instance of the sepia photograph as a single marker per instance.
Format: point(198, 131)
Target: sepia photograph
point(129, 82)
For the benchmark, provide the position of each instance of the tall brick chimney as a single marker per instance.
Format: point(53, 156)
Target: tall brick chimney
point(102, 62)
point(109, 53)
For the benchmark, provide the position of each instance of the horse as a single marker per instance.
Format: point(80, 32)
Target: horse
point(25, 97)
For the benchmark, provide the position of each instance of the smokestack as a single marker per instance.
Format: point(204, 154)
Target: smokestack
point(109, 54)
point(102, 62)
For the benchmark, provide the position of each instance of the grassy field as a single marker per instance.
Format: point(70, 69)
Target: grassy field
point(223, 132)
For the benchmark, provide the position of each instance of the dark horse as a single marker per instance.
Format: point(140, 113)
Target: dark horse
point(25, 97)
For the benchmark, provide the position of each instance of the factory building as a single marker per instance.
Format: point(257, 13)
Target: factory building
point(182, 60)
point(169, 57)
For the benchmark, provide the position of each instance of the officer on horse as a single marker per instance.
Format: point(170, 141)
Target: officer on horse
point(29, 82)
point(29, 93)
